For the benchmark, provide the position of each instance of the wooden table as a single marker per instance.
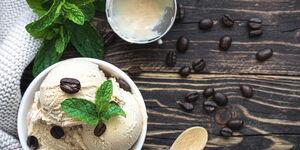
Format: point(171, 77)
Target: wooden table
point(272, 116)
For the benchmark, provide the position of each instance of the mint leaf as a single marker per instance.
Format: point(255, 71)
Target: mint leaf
point(100, 5)
point(103, 95)
point(38, 26)
point(81, 109)
point(47, 4)
point(81, 2)
point(36, 6)
point(45, 57)
point(86, 40)
point(88, 10)
point(113, 110)
point(73, 13)
point(91, 113)
point(62, 41)
point(47, 34)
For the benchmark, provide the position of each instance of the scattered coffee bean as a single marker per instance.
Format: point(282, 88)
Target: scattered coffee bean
point(235, 124)
point(206, 24)
point(220, 99)
point(123, 84)
point(208, 92)
point(227, 20)
point(70, 85)
point(246, 90)
point(32, 142)
point(135, 71)
point(225, 43)
point(180, 12)
point(99, 129)
point(226, 132)
point(171, 59)
point(264, 54)
point(185, 71)
point(191, 97)
point(57, 132)
point(255, 33)
point(186, 106)
point(254, 23)
point(109, 38)
point(199, 65)
point(209, 106)
point(182, 44)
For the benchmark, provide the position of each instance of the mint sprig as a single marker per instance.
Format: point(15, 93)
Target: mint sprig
point(93, 113)
point(61, 22)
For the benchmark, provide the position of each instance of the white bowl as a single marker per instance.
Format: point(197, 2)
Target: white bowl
point(28, 97)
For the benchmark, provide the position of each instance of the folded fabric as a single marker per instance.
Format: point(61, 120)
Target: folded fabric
point(17, 49)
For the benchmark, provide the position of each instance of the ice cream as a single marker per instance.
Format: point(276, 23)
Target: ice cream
point(121, 132)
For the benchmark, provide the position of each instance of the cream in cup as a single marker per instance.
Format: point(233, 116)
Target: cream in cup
point(141, 21)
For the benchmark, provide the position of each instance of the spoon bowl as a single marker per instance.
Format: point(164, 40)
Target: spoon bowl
point(193, 138)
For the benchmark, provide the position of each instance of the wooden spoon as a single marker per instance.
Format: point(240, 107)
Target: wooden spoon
point(193, 138)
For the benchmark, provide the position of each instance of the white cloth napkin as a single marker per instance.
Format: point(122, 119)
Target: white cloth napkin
point(17, 49)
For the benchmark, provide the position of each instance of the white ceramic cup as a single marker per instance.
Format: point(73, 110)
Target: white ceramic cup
point(28, 97)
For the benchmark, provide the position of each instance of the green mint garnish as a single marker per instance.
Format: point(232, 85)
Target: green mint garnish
point(62, 22)
point(74, 13)
point(81, 109)
point(93, 113)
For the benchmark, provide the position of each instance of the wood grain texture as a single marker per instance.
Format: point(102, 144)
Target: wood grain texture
point(272, 116)
point(281, 33)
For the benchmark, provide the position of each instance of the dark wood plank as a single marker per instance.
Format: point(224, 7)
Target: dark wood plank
point(271, 116)
point(281, 33)
point(273, 142)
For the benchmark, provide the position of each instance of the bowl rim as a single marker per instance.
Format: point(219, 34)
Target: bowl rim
point(27, 99)
point(140, 41)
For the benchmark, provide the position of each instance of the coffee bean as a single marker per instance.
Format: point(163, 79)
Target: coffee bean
point(135, 71)
point(99, 129)
point(191, 97)
point(109, 38)
point(220, 99)
point(235, 124)
point(226, 132)
point(32, 142)
point(182, 44)
point(185, 71)
point(227, 20)
point(57, 132)
point(180, 12)
point(199, 65)
point(206, 24)
point(246, 90)
point(225, 43)
point(209, 106)
point(123, 84)
point(264, 54)
point(254, 23)
point(70, 85)
point(255, 33)
point(208, 92)
point(186, 106)
point(171, 59)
